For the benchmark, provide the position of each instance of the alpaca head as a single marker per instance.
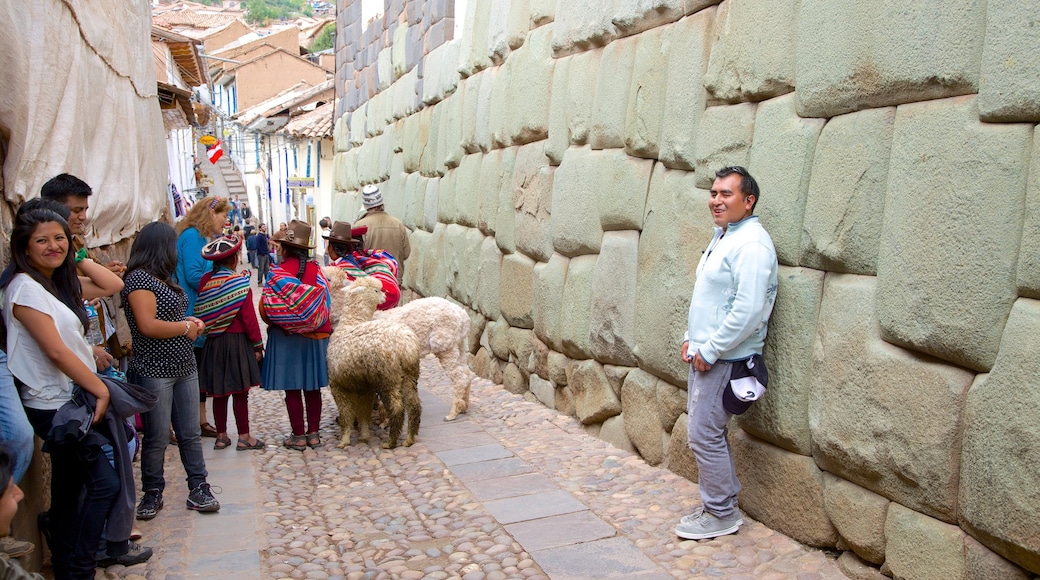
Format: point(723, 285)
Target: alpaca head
point(363, 296)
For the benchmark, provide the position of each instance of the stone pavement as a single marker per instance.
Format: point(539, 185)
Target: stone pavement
point(510, 490)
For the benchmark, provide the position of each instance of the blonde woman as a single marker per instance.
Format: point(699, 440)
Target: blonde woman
point(205, 221)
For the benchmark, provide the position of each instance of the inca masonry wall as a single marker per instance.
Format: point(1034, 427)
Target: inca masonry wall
point(553, 163)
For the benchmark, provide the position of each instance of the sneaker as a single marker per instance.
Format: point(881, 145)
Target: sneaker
point(16, 548)
point(135, 555)
point(706, 526)
point(150, 504)
point(201, 499)
point(697, 511)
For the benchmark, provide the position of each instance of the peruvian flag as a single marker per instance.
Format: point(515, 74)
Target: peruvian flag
point(215, 152)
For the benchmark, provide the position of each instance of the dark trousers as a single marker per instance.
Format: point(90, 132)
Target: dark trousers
point(84, 486)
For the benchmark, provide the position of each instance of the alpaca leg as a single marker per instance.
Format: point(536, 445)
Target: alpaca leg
point(458, 370)
point(392, 400)
point(364, 414)
point(346, 421)
point(414, 407)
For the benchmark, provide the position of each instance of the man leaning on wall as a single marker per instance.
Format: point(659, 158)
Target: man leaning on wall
point(729, 310)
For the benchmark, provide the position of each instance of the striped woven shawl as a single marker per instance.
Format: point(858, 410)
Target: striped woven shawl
point(378, 264)
point(220, 299)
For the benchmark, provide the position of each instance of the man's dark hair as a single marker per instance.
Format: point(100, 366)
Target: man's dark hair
point(43, 203)
point(748, 185)
point(61, 187)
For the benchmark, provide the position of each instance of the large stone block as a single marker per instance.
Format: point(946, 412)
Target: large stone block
point(498, 339)
point(431, 199)
point(854, 55)
point(547, 300)
point(482, 126)
point(450, 147)
point(866, 416)
point(1029, 249)
point(781, 161)
point(781, 416)
point(918, 546)
point(646, 98)
point(497, 30)
point(671, 403)
point(1001, 449)
point(610, 107)
point(488, 279)
point(505, 221)
point(430, 158)
point(530, 200)
point(462, 207)
point(430, 275)
point(397, 51)
point(473, 50)
point(559, 137)
point(676, 229)
point(639, 401)
point(487, 191)
point(782, 490)
point(518, 22)
point(686, 45)
point(582, 24)
point(528, 91)
point(542, 12)
point(462, 257)
point(411, 133)
point(951, 303)
point(544, 391)
point(581, 90)
point(723, 138)
point(1009, 84)
point(470, 91)
point(414, 198)
point(845, 204)
point(633, 17)
point(612, 326)
point(515, 298)
point(858, 515)
point(576, 317)
point(441, 76)
point(983, 564)
point(385, 69)
point(680, 458)
point(753, 52)
point(405, 95)
point(594, 399)
point(613, 431)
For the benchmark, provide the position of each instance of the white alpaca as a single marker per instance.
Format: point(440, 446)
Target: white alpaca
point(443, 329)
point(368, 357)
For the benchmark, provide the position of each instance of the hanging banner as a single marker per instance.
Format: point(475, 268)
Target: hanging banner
point(215, 152)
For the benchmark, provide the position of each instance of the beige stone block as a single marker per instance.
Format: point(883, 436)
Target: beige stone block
point(609, 109)
point(612, 324)
point(498, 339)
point(854, 55)
point(676, 229)
point(395, 188)
point(405, 97)
point(341, 134)
point(486, 366)
point(671, 404)
point(430, 278)
point(410, 134)
point(482, 127)
point(581, 90)
point(413, 265)
point(559, 137)
point(781, 416)
point(575, 223)
point(518, 23)
point(488, 279)
point(1001, 446)
point(429, 124)
point(858, 515)
point(462, 258)
point(469, 89)
point(414, 191)
point(497, 30)
point(845, 205)
point(753, 51)
point(473, 50)
point(529, 91)
point(922, 547)
point(374, 117)
point(613, 431)
point(513, 380)
point(539, 364)
point(680, 458)
point(521, 347)
point(450, 145)
point(505, 221)
point(464, 205)
point(384, 69)
point(487, 191)
point(529, 202)
point(371, 164)
point(594, 400)
point(515, 298)
point(639, 401)
point(866, 414)
point(858, 569)
point(686, 46)
point(646, 98)
point(782, 490)
point(951, 301)
point(582, 24)
point(397, 50)
point(982, 564)
point(547, 300)
point(440, 72)
point(576, 317)
point(543, 390)
point(637, 16)
point(723, 139)
point(781, 161)
point(557, 364)
point(386, 154)
point(1029, 247)
point(1009, 82)
point(357, 125)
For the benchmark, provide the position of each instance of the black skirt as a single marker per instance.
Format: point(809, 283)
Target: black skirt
point(228, 365)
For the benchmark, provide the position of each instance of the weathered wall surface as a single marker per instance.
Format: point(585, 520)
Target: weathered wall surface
point(553, 163)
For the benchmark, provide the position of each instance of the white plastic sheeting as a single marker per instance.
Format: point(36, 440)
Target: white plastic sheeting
point(79, 96)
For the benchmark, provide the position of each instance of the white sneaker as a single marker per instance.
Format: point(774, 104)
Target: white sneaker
point(705, 525)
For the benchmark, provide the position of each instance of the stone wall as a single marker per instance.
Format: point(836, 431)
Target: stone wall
point(553, 164)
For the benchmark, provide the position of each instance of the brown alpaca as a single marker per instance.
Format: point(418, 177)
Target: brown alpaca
point(367, 358)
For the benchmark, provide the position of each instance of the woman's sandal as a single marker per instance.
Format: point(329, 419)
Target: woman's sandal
point(313, 440)
point(222, 443)
point(297, 442)
point(244, 446)
point(208, 430)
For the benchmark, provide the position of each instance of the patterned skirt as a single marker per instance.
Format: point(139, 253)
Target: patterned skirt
point(294, 362)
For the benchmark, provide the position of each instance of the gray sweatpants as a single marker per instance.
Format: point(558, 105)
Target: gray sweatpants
point(716, 471)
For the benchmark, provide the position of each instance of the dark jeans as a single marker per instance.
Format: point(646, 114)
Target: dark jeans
point(83, 487)
point(263, 265)
point(178, 405)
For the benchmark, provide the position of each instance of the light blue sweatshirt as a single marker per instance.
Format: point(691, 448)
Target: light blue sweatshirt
point(734, 293)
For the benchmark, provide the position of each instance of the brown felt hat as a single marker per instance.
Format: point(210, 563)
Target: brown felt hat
point(342, 232)
point(298, 235)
